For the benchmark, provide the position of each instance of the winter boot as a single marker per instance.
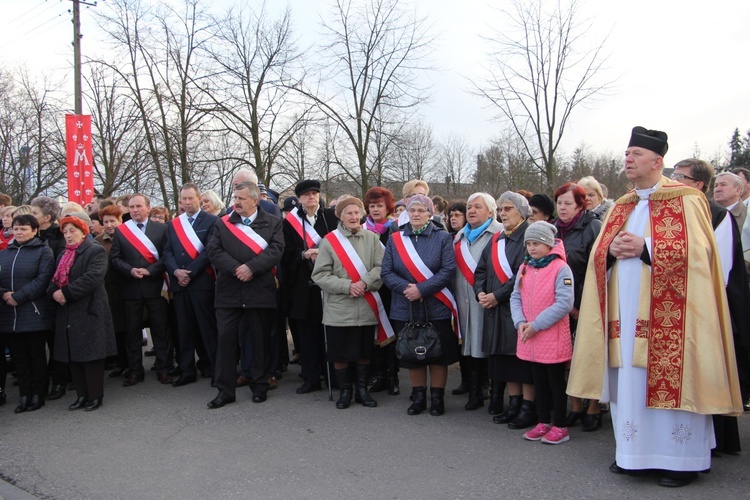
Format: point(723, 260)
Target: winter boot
point(514, 406)
point(437, 403)
point(344, 378)
point(475, 392)
point(363, 396)
point(419, 398)
point(526, 417)
point(496, 399)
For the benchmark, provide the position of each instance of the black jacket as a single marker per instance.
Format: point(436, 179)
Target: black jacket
point(175, 256)
point(301, 296)
point(578, 242)
point(227, 253)
point(54, 238)
point(124, 257)
point(500, 335)
point(26, 270)
point(83, 326)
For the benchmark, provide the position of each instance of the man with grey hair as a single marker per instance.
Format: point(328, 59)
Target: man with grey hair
point(728, 193)
point(247, 175)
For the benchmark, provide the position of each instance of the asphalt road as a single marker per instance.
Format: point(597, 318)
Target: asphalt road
point(156, 441)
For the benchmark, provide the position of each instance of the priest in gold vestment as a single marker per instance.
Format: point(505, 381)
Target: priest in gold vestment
point(654, 336)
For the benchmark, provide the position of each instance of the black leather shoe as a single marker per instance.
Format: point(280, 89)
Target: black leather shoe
point(132, 380)
point(206, 373)
point(3, 397)
point(35, 403)
point(616, 469)
point(259, 397)
point(150, 352)
point(220, 401)
point(94, 404)
point(573, 417)
point(78, 404)
point(163, 378)
point(460, 390)
point(676, 479)
point(591, 423)
point(185, 381)
point(746, 404)
point(57, 392)
point(115, 373)
point(23, 403)
point(174, 372)
point(307, 388)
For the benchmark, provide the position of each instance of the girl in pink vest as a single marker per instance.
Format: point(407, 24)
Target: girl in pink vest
point(541, 301)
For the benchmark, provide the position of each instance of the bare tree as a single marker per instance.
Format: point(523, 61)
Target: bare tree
point(250, 90)
point(416, 154)
point(538, 74)
point(456, 159)
point(505, 165)
point(372, 54)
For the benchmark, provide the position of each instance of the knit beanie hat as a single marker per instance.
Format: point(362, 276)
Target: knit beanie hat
point(349, 200)
point(541, 231)
point(422, 200)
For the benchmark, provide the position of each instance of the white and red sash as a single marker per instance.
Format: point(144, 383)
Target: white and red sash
point(465, 261)
point(499, 260)
point(189, 239)
point(308, 235)
point(144, 246)
point(246, 235)
point(420, 271)
point(355, 268)
point(186, 234)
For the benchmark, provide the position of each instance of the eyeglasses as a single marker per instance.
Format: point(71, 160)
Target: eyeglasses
point(505, 209)
point(679, 177)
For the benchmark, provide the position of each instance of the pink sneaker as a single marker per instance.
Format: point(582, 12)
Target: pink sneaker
point(537, 432)
point(556, 435)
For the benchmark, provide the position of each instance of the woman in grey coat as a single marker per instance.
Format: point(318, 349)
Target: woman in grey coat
point(84, 334)
point(468, 244)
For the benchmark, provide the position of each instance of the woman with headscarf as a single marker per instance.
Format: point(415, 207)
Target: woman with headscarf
point(84, 334)
point(577, 228)
point(418, 267)
point(469, 244)
point(494, 285)
point(348, 271)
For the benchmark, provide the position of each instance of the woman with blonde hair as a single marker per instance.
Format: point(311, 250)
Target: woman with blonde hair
point(211, 203)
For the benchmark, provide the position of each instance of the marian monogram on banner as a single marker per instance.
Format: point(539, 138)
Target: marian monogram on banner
point(79, 158)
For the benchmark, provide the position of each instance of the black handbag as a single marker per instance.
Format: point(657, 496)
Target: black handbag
point(419, 342)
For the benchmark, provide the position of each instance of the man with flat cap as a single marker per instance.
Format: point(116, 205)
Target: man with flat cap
point(304, 228)
point(654, 291)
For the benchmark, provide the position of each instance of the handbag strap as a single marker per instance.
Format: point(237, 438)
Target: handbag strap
point(411, 312)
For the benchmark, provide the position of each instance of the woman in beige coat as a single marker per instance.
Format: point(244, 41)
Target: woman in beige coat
point(348, 271)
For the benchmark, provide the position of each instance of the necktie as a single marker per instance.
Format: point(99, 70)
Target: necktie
point(247, 221)
point(140, 226)
point(191, 220)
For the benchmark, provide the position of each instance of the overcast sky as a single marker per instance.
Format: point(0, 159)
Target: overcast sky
point(678, 66)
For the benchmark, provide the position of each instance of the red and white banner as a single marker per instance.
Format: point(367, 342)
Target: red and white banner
point(142, 244)
point(80, 158)
point(500, 261)
point(186, 234)
point(419, 270)
point(246, 235)
point(308, 234)
point(355, 268)
point(465, 261)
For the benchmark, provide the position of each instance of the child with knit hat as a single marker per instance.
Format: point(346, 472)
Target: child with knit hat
point(540, 303)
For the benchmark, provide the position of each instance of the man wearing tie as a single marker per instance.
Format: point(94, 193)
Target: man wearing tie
point(193, 280)
point(137, 250)
point(244, 249)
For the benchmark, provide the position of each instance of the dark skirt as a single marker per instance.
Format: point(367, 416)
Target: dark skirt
point(349, 343)
point(448, 341)
point(510, 369)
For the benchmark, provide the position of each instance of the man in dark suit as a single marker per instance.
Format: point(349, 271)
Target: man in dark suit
point(245, 248)
point(137, 250)
point(193, 282)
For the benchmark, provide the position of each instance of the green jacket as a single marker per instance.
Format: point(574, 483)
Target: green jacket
point(329, 274)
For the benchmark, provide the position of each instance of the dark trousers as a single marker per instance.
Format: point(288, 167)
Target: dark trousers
point(3, 362)
point(551, 400)
point(311, 349)
point(256, 333)
point(88, 378)
point(196, 324)
point(122, 349)
point(57, 370)
point(157, 313)
point(743, 369)
point(30, 358)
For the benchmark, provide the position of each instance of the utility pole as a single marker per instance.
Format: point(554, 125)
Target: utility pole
point(77, 87)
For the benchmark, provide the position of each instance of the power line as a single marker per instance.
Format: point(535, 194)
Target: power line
point(27, 12)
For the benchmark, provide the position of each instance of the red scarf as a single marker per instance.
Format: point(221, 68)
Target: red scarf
point(61, 277)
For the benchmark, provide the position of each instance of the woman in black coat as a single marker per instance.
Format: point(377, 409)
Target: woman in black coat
point(26, 314)
point(500, 335)
point(578, 228)
point(84, 334)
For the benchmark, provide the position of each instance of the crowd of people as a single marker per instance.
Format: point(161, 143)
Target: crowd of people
point(573, 301)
